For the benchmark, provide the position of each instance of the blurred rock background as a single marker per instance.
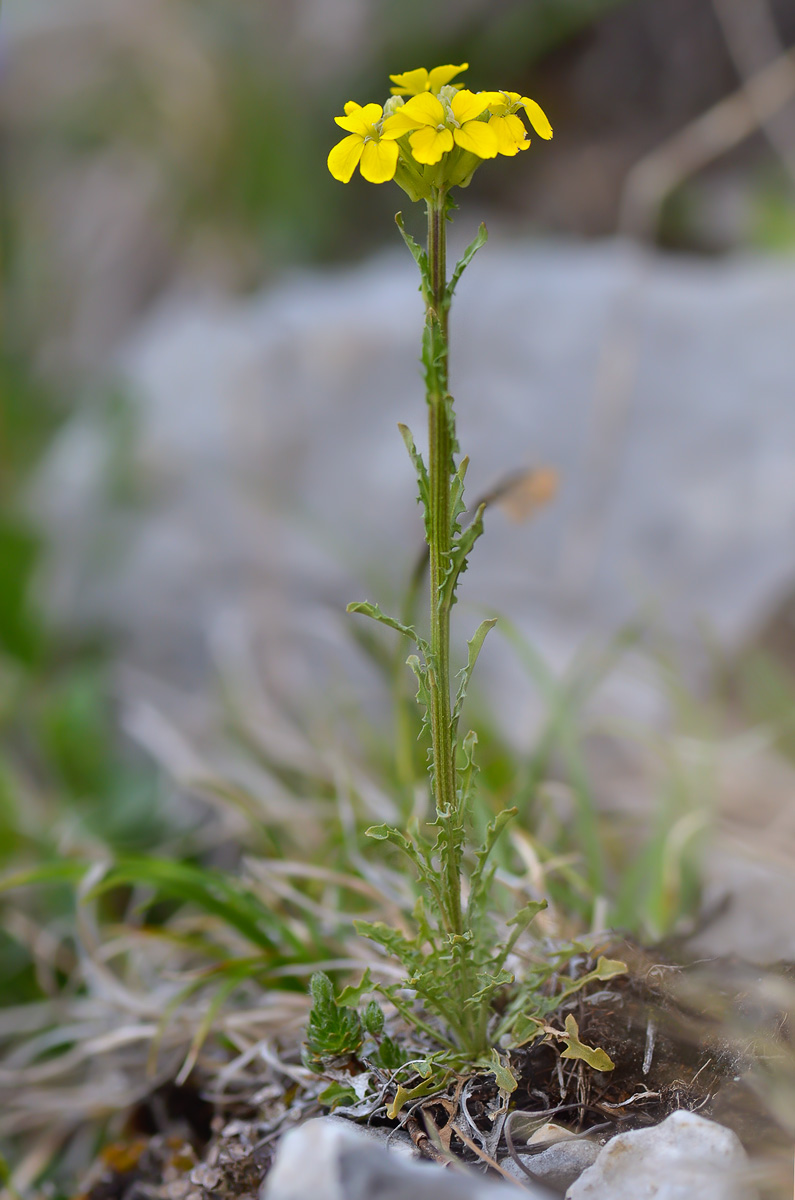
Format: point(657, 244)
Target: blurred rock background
point(206, 344)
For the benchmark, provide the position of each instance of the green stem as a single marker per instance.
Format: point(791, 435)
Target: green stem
point(441, 436)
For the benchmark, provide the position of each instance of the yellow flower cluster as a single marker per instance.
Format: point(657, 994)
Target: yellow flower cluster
point(435, 138)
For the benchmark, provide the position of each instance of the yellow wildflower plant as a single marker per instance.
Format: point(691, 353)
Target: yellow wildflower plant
point(412, 83)
point(437, 137)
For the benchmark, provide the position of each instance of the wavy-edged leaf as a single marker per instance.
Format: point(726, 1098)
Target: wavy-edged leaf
point(421, 471)
point(599, 1059)
point(480, 239)
point(374, 612)
point(606, 968)
point(386, 833)
point(526, 1029)
point(506, 1080)
point(474, 646)
point(490, 984)
point(350, 996)
point(457, 506)
point(459, 555)
point(480, 878)
point(423, 694)
point(436, 1079)
point(392, 940)
point(419, 255)
point(520, 921)
point(468, 773)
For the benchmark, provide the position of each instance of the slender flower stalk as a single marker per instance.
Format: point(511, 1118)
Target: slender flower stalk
point(441, 435)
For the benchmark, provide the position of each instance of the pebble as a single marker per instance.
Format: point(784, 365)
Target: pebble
point(328, 1159)
point(685, 1157)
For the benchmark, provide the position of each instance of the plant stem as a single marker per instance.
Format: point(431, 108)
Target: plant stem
point(441, 437)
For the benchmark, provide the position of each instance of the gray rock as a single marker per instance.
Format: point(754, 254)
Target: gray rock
point(684, 1157)
point(275, 479)
point(332, 1160)
point(272, 487)
point(558, 1166)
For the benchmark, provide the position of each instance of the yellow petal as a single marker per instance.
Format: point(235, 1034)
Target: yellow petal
point(477, 137)
point(468, 105)
point(344, 156)
point(425, 108)
point(398, 124)
point(379, 160)
point(538, 118)
point(439, 76)
point(511, 134)
point(429, 145)
point(358, 119)
point(496, 102)
point(410, 82)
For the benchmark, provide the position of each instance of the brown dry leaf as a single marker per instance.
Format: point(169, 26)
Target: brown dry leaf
point(528, 491)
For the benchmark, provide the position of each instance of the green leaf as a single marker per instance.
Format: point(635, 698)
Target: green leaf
point(436, 1078)
point(458, 558)
point(332, 1030)
point(373, 1019)
point(526, 1029)
point(606, 968)
point(474, 646)
point(387, 833)
point(520, 921)
point(468, 773)
point(372, 610)
point(336, 1094)
point(423, 694)
point(434, 359)
point(480, 878)
point(60, 872)
point(480, 239)
point(392, 940)
point(421, 472)
point(490, 985)
point(506, 1080)
point(419, 256)
point(350, 996)
point(529, 911)
point(212, 891)
point(598, 1059)
point(390, 1055)
point(457, 506)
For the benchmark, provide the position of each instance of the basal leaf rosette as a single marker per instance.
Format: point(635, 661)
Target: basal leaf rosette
point(432, 133)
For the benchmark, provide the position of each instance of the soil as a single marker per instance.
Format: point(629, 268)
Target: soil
point(681, 1038)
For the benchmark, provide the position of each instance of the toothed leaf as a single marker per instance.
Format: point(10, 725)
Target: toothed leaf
point(480, 239)
point(594, 1057)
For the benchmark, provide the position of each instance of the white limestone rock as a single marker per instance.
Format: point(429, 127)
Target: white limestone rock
point(558, 1166)
point(329, 1159)
point(683, 1158)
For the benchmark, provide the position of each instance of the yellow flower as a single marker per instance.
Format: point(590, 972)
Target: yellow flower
point(511, 133)
point(436, 127)
point(413, 83)
point(365, 147)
